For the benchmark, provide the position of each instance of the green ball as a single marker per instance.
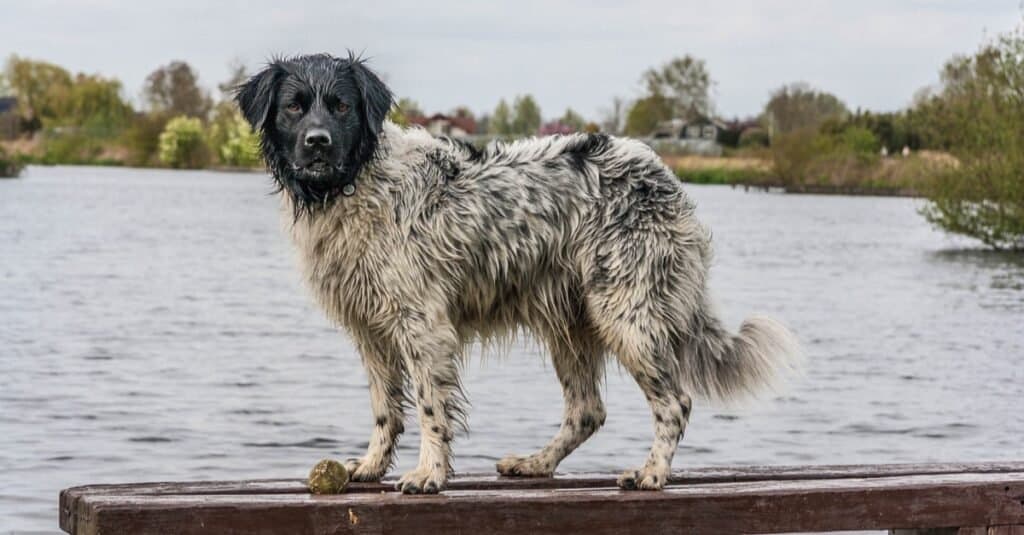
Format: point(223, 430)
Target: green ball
point(328, 477)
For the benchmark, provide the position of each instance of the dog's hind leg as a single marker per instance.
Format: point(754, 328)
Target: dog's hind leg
point(387, 402)
point(579, 363)
point(636, 314)
point(656, 374)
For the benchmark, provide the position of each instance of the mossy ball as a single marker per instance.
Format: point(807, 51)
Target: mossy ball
point(328, 477)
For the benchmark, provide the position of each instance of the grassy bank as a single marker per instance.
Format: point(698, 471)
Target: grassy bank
point(863, 174)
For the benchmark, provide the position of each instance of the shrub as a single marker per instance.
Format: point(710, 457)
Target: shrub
point(813, 157)
point(242, 146)
point(142, 138)
point(232, 139)
point(983, 197)
point(182, 144)
point(753, 137)
point(10, 166)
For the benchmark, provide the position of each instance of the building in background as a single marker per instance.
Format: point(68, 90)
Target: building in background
point(440, 124)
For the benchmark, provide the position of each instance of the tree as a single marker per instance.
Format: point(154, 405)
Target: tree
point(142, 138)
point(684, 84)
point(645, 115)
point(526, 120)
point(403, 110)
point(182, 144)
point(573, 120)
point(614, 118)
point(94, 103)
point(41, 88)
point(174, 89)
point(797, 106)
point(980, 109)
point(501, 121)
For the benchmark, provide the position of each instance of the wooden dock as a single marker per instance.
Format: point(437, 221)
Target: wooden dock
point(963, 499)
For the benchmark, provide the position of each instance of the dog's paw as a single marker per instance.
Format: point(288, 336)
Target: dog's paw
point(365, 470)
point(531, 466)
point(646, 478)
point(422, 481)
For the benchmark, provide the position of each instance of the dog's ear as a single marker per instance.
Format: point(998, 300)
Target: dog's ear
point(377, 98)
point(255, 97)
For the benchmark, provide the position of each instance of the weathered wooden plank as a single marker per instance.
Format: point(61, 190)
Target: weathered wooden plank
point(571, 480)
point(1006, 530)
point(916, 501)
point(929, 531)
point(583, 480)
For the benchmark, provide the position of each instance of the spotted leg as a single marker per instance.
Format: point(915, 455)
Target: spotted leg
point(580, 367)
point(387, 402)
point(430, 352)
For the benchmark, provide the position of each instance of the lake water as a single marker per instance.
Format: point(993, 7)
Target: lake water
point(153, 326)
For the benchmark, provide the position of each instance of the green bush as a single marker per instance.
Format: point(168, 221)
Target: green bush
point(182, 144)
point(10, 166)
point(983, 197)
point(815, 157)
point(142, 139)
point(232, 139)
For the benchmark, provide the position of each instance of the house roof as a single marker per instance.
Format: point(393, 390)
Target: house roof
point(467, 124)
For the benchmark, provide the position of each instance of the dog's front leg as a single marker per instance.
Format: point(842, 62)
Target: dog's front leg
point(388, 399)
point(430, 348)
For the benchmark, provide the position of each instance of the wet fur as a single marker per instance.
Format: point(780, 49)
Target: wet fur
point(588, 242)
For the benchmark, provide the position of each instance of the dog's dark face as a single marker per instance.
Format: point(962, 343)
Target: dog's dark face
point(320, 119)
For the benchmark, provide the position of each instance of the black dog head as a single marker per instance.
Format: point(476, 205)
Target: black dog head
point(320, 119)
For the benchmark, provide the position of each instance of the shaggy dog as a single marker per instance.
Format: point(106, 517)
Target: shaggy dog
point(417, 246)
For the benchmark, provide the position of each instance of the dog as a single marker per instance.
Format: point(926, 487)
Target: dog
point(417, 246)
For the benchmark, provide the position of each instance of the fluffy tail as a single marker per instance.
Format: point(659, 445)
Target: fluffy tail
point(722, 366)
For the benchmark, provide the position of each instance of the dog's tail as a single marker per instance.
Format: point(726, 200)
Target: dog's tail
point(723, 366)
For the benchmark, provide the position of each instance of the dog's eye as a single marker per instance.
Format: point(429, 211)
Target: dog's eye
point(342, 107)
point(294, 107)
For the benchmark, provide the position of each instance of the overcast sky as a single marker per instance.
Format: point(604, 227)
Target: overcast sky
point(872, 53)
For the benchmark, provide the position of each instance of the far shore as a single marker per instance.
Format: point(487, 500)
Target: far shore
point(749, 173)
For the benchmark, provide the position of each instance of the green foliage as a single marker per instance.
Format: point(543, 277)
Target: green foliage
point(645, 115)
point(721, 175)
point(797, 106)
point(979, 113)
point(182, 144)
point(812, 157)
point(94, 104)
point(174, 90)
point(684, 86)
point(242, 147)
point(231, 138)
point(39, 86)
point(526, 119)
point(573, 120)
point(403, 110)
point(500, 123)
point(142, 138)
point(76, 148)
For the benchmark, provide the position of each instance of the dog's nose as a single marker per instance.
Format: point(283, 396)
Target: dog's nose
point(318, 136)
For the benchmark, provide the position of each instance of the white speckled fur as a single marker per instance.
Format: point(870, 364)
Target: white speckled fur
point(586, 241)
